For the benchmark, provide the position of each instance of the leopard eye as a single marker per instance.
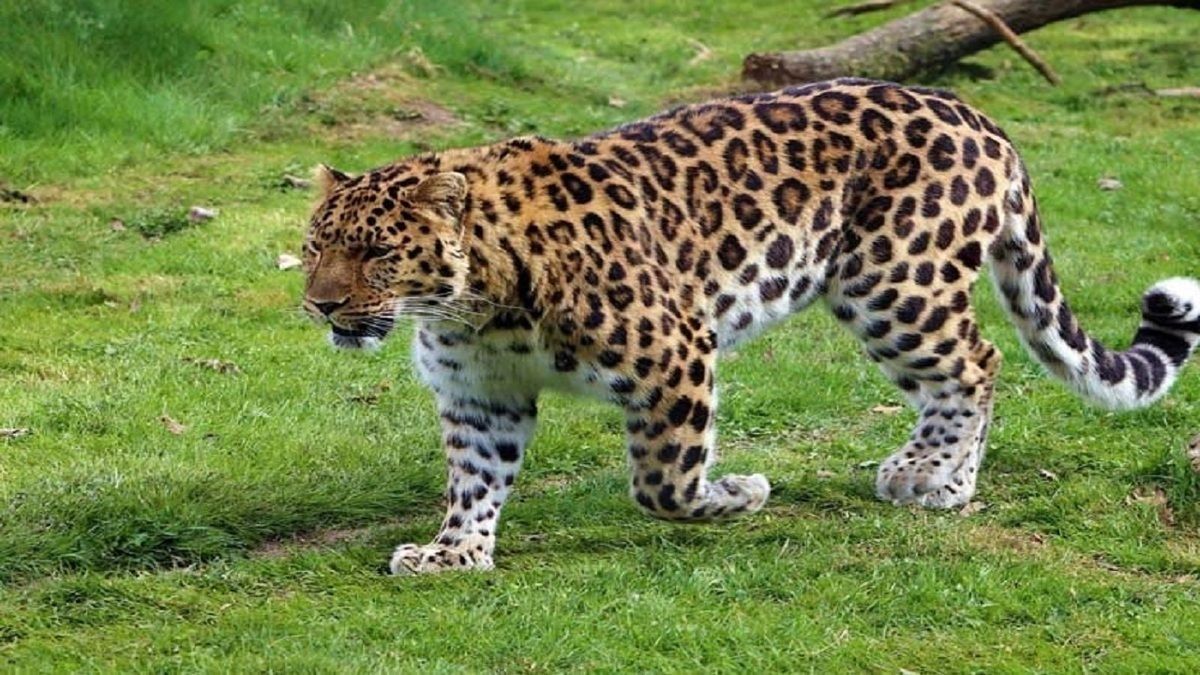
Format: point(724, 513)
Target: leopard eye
point(376, 252)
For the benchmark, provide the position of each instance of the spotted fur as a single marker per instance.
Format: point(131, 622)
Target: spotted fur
point(619, 265)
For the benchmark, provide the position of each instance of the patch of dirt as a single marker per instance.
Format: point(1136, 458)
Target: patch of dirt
point(310, 541)
point(1098, 562)
point(1032, 545)
point(382, 102)
point(1001, 539)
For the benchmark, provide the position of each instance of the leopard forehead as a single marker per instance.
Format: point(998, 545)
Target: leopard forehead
point(365, 213)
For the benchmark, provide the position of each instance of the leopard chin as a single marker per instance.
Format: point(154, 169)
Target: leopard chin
point(368, 337)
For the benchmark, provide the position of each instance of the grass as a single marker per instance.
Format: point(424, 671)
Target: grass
point(206, 487)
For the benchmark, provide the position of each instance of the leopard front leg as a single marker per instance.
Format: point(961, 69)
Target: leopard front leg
point(672, 442)
point(484, 443)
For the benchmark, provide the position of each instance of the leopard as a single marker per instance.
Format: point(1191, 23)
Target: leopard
point(620, 264)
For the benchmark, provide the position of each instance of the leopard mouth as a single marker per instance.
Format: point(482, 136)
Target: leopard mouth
point(366, 335)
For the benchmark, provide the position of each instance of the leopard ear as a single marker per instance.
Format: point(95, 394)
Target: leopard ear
point(444, 192)
point(328, 178)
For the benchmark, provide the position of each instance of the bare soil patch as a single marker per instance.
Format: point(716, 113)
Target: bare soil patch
point(308, 541)
point(382, 102)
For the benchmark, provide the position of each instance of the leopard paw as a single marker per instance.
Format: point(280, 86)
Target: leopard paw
point(412, 559)
point(742, 494)
point(930, 481)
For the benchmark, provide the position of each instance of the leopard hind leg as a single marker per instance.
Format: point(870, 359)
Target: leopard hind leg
point(939, 464)
point(923, 334)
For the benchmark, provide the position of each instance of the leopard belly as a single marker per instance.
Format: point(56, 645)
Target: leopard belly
point(503, 365)
point(764, 297)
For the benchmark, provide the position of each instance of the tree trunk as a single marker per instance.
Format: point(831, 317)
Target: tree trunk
point(928, 39)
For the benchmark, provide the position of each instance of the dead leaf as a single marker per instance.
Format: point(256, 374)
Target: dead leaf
point(372, 397)
point(1048, 475)
point(200, 214)
point(867, 464)
point(825, 473)
point(1109, 183)
point(116, 225)
point(1193, 453)
point(172, 424)
point(971, 508)
point(616, 102)
point(1166, 515)
point(887, 409)
point(287, 261)
point(1156, 498)
point(13, 433)
point(223, 367)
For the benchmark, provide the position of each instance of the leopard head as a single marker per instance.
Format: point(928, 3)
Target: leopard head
point(376, 251)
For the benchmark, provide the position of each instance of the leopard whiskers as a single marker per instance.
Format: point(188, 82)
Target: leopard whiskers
point(378, 323)
point(435, 308)
point(474, 297)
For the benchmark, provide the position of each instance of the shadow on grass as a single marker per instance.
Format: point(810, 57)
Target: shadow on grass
point(153, 522)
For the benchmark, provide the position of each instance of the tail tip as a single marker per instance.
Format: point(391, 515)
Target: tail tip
point(1173, 302)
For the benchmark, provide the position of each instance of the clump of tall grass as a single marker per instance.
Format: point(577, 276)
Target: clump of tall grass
point(121, 83)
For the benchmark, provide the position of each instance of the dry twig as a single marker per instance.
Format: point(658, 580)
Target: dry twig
point(1179, 92)
point(703, 52)
point(990, 18)
point(296, 183)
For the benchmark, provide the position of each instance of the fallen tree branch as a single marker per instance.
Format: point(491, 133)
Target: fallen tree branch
point(926, 40)
point(1012, 39)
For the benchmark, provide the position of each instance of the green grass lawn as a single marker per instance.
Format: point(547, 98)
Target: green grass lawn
point(206, 486)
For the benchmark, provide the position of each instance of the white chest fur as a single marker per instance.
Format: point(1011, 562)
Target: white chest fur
point(502, 365)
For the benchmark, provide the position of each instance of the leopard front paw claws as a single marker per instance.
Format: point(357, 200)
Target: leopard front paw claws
point(926, 483)
point(748, 493)
point(412, 559)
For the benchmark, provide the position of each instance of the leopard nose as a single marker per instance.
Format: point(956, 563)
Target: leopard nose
point(330, 307)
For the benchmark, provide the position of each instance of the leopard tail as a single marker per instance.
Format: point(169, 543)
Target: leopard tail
point(1121, 380)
